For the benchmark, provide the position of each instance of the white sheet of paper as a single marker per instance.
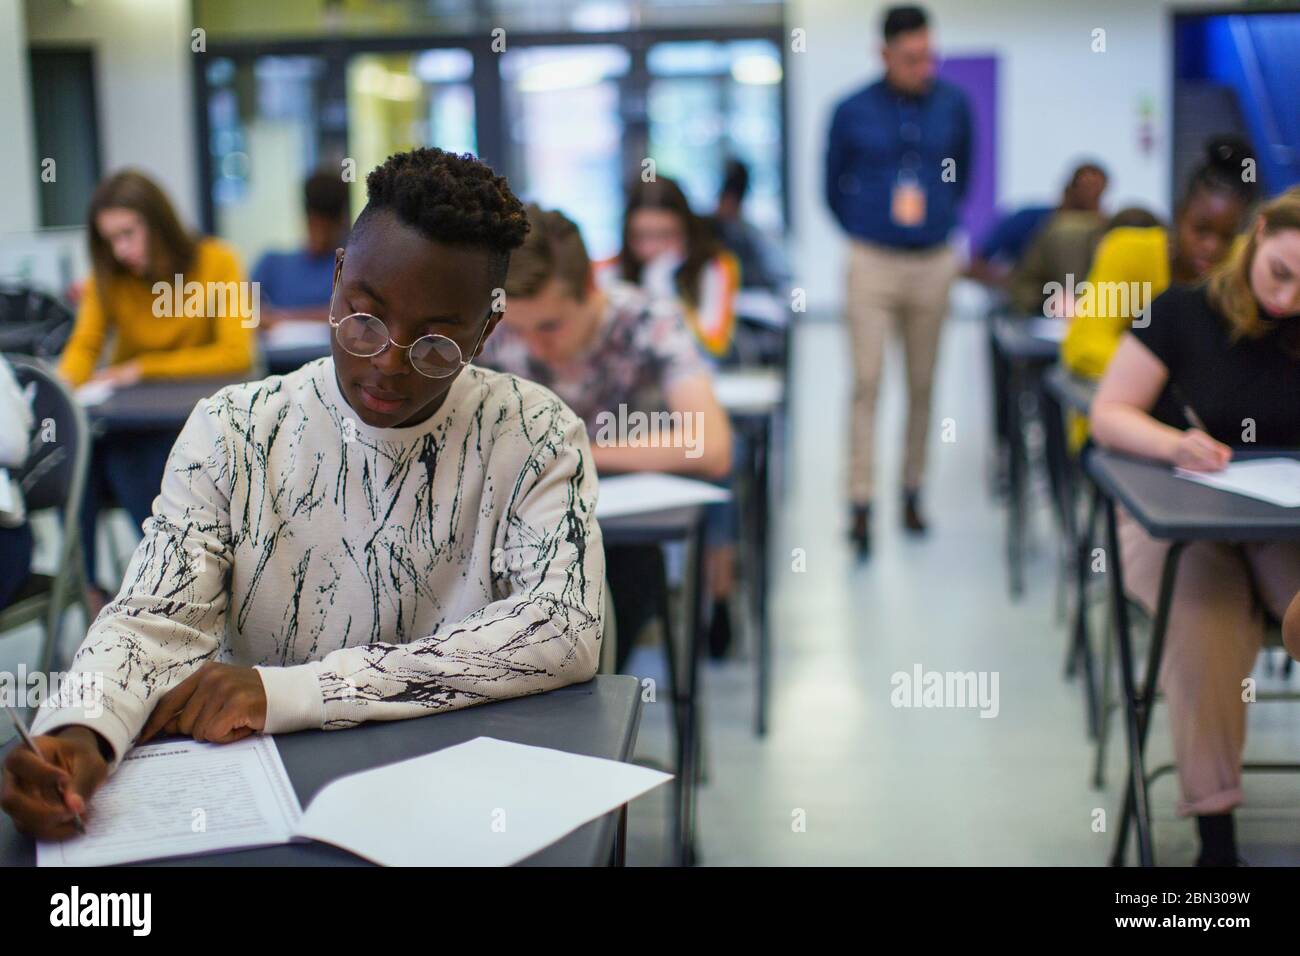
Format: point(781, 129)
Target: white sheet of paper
point(648, 491)
point(1275, 480)
point(485, 802)
point(92, 393)
point(1052, 329)
point(235, 795)
point(761, 306)
point(296, 332)
point(758, 391)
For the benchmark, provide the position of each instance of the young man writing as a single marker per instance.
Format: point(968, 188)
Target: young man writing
point(610, 354)
point(383, 534)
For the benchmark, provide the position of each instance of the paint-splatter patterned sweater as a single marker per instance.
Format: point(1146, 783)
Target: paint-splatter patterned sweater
point(368, 573)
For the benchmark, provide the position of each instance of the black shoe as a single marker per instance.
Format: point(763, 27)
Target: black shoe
point(912, 519)
point(860, 531)
point(1218, 840)
point(720, 630)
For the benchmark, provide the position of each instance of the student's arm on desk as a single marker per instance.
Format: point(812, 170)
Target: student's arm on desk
point(81, 354)
point(1121, 417)
point(712, 438)
point(162, 626)
point(542, 634)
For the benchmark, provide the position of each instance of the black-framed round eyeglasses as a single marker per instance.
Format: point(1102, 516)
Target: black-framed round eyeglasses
point(365, 336)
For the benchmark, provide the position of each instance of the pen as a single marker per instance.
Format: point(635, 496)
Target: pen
point(27, 739)
point(1189, 413)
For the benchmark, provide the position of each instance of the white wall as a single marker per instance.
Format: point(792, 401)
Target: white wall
point(1057, 101)
point(18, 198)
point(142, 76)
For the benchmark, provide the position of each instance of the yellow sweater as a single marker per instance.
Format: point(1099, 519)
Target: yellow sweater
point(1125, 255)
point(173, 345)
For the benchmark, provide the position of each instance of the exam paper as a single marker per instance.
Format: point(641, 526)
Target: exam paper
point(748, 391)
point(647, 492)
point(485, 802)
point(1275, 480)
point(1052, 329)
point(93, 393)
point(184, 797)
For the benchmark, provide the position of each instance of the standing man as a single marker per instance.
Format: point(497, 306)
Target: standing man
point(897, 164)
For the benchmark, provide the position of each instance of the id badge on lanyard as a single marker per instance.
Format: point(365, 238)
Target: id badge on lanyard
point(907, 201)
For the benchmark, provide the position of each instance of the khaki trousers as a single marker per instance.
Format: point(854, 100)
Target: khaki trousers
point(1216, 629)
point(887, 287)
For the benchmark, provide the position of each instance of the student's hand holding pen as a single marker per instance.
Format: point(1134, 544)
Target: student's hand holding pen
point(218, 703)
point(1197, 451)
point(45, 794)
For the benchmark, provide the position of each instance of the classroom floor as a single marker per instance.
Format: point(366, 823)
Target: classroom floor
point(880, 785)
point(874, 784)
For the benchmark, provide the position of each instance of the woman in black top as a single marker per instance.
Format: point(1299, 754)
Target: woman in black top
point(1228, 349)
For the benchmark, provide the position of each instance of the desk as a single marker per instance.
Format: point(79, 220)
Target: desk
point(658, 525)
point(1066, 394)
point(283, 359)
point(1072, 392)
point(1179, 511)
point(1026, 353)
point(597, 719)
point(155, 406)
point(753, 399)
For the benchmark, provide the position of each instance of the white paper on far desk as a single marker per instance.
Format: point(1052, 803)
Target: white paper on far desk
point(1275, 480)
point(93, 393)
point(646, 492)
point(184, 797)
point(485, 802)
point(1052, 329)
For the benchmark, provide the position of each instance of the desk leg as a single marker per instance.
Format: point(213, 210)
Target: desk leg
point(678, 697)
point(760, 506)
point(1081, 645)
point(688, 770)
point(1137, 704)
point(619, 856)
point(1016, 481)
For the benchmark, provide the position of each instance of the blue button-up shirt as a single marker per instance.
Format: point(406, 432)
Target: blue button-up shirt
point(878, 136)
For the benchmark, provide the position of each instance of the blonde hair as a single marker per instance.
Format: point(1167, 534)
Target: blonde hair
point(1228, 287)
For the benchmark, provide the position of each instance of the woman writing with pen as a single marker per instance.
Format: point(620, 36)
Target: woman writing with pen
point(1216, 369)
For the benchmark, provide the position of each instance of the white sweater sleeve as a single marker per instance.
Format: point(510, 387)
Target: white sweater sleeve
point(543, 632)
point(170, 615)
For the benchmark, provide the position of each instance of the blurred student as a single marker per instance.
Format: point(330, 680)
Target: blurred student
point(617, 356)
point(15, 441)
point(889, 147)
point(175, 306)
point(1058, 255)
point(1006, 244)
point(1229, 350)
point(295, 285)
point(671, 253)
point(761, 263)
point(1131, 260)
point(383, 534)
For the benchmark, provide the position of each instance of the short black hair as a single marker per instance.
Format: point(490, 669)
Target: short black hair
point(448, 197)
point(1088, 166)
point(325, 194)
point(904, 20)
point(1220, 170)
point(735, 179)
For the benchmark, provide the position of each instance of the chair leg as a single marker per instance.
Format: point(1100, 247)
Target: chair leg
point(1106, 705)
